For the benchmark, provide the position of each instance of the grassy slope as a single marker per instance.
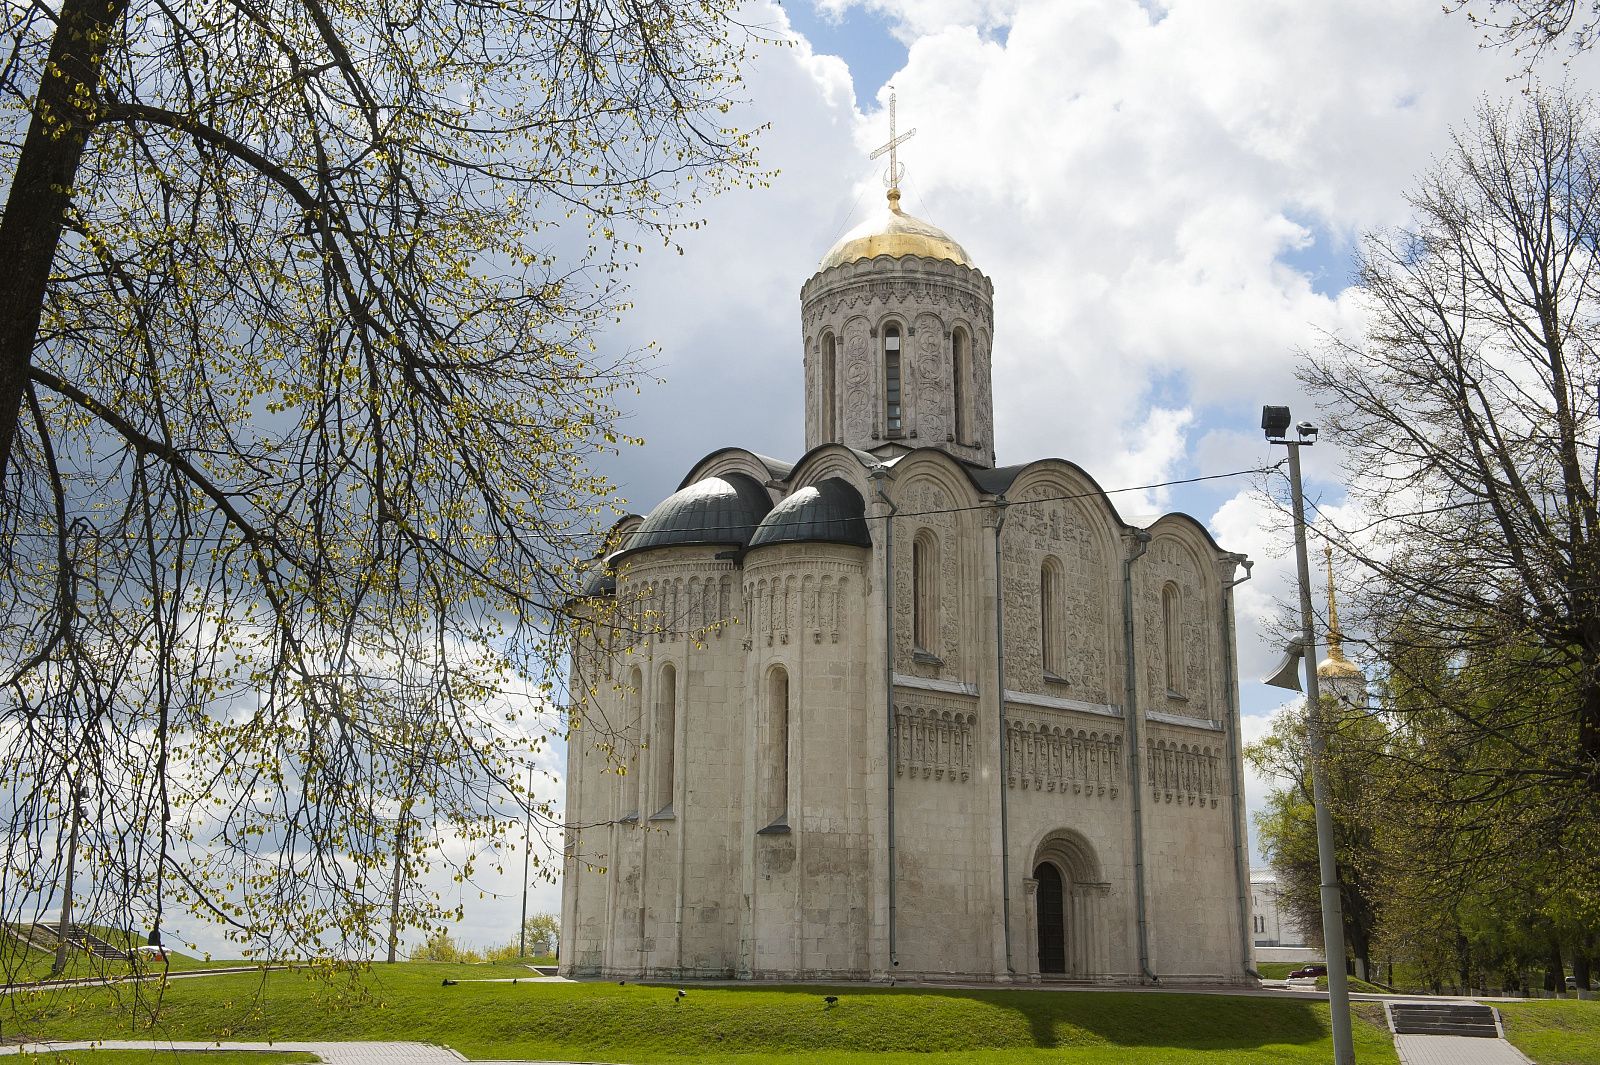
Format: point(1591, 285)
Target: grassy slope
point(22, 967)
point(642, 1023)
point(1554, 1032)
point(167, 1057)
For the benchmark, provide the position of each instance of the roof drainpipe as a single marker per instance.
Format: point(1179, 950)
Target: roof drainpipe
point(881, 477)
point(1005, 736)
point(1230, 677)
point(1141, 541)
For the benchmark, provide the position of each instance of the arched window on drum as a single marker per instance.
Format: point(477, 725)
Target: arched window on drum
point(960, 375)
point(828, 398)
point(892, 384)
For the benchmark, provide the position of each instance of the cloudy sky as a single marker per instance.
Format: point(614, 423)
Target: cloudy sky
point(1166, 196)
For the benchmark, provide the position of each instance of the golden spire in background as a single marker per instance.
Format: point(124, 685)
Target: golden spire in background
point(1336, 664)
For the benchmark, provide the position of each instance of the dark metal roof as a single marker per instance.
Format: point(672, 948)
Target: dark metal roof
point(716, 510)
point(777, 469)
point(830, 511)
point(997, 480)
point(598, 582)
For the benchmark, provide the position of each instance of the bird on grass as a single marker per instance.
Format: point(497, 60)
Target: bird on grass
point(681, 993)
point(448, 982)
point(830, 1000)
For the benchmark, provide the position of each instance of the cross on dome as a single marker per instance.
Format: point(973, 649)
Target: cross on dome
point(896, 171)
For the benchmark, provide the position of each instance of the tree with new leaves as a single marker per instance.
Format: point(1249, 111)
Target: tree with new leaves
point(1479, 878)
point(542, 932)
point(299, 387)
point(1286, 826)
point(1468, 413)
point(1534, 28)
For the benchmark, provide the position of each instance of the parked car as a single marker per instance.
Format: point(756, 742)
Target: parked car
point(1309, 972)
point(1572, 983)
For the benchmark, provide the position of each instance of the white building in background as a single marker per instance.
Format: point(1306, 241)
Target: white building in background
point(1270, 924)
point(887, 710)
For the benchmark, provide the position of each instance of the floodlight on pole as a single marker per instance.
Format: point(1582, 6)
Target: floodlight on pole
point(1287, 675)
point(1275, 423)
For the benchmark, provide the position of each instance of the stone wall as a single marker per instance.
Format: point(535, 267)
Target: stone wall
point(807, 863)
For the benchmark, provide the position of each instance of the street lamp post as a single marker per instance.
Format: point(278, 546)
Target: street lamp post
point(1275, 423)
point(527, 850)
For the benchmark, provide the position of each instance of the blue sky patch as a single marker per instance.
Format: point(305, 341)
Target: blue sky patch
point(1328, 260)
point(861, 38)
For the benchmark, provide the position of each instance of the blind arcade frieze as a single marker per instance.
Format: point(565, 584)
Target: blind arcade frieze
point(933, 740)
point(1048, 756)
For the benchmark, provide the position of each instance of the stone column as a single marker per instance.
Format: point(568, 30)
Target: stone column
point(1030, 909)
point(1102, 933)
point(1085, 932)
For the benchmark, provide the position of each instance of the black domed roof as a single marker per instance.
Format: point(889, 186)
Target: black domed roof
point(717, 510)
point(829, 511)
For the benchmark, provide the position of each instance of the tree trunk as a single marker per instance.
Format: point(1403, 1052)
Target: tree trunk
point(1580, 967)
point(64, 112)
point(1554, 972)
point(64, 927)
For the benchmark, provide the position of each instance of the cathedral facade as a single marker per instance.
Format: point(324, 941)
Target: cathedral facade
point(889, 711)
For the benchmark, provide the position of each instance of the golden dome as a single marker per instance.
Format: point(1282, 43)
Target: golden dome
point(1339, 668)
point(895, 233)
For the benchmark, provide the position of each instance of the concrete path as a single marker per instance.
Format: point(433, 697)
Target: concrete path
point(1456, 1050)
point(332, 1053)
point(130, 978)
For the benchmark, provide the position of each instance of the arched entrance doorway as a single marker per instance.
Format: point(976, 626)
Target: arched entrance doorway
point(1067, 910)
point(1051, 920)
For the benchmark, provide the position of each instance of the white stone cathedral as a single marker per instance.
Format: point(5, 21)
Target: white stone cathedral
point(889, 711)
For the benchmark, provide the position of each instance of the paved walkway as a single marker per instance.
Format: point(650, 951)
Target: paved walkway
point(1456, 1050)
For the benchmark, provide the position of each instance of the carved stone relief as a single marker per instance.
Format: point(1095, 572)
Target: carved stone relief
point(1168, 563)
point(858, 382)
point(982, 402)
point(924, 504)
point(1040, 526)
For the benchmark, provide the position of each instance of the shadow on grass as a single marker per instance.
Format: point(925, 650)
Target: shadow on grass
point(929, 1019)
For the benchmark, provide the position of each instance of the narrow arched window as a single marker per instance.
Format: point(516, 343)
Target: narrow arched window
point(776, 755)
point(891, 378)
point(630, 744)
point(924, 600)
point(664, 739)
point(1172, 636)
point(1049, 617)
point(958, 376)
point(828, 424)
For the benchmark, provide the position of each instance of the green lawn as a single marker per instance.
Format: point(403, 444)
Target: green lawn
point(1277, 970)
point(1554, 1031)
point(645, 1023)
